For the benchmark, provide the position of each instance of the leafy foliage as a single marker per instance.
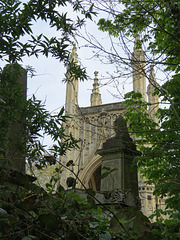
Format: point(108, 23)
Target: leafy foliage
point(107, 171)
point(159, 144)
point(158, 23)
point(37, 122)
point(39, 215)
point(17, 19)
point(26, 210)
point(158, 20)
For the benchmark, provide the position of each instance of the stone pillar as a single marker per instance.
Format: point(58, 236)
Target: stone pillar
point(13, 87)
point(118, 153)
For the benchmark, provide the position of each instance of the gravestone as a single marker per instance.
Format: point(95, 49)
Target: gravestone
point(117, 157)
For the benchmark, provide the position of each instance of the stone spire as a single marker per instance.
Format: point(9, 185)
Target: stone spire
point(74, 54)
point(95, 96)
point(153, 99)
point(138, 67)
point(72, 85)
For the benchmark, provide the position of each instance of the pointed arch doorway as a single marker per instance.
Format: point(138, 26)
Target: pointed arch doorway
point(90, 176)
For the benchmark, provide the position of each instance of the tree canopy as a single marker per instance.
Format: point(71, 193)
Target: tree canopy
point(17, 19)
point(26, 210)
point(158, 23)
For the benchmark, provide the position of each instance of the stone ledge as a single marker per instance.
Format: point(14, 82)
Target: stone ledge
point(100, 108)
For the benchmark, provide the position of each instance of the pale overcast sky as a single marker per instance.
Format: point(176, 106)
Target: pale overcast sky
point(47, 84)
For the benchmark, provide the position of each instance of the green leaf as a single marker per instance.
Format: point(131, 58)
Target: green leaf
point(61, 112)
point(99, 210)
point(69, 163)
point(104, 174)
point(71, 182)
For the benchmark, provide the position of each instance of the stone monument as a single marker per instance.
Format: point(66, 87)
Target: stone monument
point(117, 154)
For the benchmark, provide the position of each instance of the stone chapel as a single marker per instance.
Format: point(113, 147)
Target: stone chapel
point(93, 125)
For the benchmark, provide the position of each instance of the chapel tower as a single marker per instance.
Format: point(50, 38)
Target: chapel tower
point(94, 125)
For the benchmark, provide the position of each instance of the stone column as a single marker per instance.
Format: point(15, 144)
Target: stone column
point(13, 87)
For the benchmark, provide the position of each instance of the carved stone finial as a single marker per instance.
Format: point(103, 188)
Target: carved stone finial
point(74, 54)
point(95, 96)
point(122, 138)
point(96, 74)
point(120, 126)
